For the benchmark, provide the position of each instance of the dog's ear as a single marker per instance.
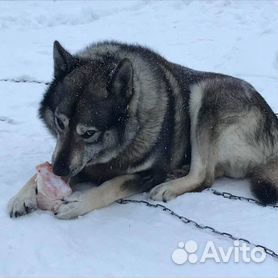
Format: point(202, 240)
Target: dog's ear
point(63, 60)
point(122, 80)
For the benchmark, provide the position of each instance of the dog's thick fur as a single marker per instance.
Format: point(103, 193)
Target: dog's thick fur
point(125, 117)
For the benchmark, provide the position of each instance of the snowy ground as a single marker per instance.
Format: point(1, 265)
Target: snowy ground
point(234, 37)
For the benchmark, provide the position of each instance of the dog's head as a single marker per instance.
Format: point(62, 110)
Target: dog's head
point(86, 109)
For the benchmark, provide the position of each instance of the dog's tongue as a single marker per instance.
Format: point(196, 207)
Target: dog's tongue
point(51, 188)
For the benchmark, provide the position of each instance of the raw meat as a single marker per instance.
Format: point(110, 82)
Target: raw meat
point(51, 188)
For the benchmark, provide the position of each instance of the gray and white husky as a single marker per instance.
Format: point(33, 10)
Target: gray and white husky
point(124, 118)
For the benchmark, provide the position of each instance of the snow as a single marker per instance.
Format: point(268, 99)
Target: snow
point(233, 37)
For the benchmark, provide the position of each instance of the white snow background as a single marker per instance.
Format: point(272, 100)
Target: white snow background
point(233, 37)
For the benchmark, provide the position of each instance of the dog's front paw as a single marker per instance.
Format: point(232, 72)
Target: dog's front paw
point(73, 206)
point(162, 193)
point(23, 203)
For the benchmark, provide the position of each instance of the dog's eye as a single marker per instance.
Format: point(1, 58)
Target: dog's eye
point(59, 123)
point(88, 134)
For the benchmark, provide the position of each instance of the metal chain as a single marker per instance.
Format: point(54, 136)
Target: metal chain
point(230, 196)
point(186, 220)
point(23, 81)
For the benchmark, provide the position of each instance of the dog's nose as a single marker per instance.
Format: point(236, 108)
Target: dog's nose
point(59, 169)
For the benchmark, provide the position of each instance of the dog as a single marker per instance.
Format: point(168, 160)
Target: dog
point(124, 118)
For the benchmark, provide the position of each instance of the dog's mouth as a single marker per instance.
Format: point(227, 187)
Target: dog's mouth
point(89, 161)
point(77, 170)
point(92, 160)
point(66, 179)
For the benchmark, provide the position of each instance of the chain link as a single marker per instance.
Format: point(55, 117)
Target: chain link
point(23, 81)
point(198, 225)
point(230, 196)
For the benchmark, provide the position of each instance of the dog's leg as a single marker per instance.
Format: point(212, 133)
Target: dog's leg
point(201, 172)
point(80, 203)
point(171, 189)
point(25, 200)
point(203, 160)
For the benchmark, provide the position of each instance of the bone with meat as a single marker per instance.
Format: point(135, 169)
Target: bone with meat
point(51, 188)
